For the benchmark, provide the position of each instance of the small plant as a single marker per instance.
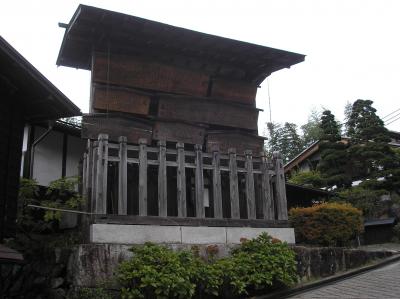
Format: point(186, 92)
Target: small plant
point(62, 193)
point(328, 224)
point(158, 272)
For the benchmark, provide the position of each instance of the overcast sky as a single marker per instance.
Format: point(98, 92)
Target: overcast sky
point(352, 47)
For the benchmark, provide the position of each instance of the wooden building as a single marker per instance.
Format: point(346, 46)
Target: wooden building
point(170, 103)
point(27, 97)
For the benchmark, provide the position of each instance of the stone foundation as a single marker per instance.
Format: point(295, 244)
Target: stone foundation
point(139, 234)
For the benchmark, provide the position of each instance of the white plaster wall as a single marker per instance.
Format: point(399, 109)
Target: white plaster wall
point(48, 157)
point(75, 149)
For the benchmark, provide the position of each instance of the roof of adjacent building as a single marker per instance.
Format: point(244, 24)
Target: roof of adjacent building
point(94, 29)
point(376, 222)
point(40, 99)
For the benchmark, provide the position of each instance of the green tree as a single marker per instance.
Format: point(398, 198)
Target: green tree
point(311, 130)
point(333, 165)
point(290, 143)
point(274, 131)
point(370, 154)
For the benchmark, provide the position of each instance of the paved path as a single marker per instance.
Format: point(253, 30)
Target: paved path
point(382, 283)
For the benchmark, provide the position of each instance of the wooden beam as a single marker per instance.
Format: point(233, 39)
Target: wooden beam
point(266, 193)
point(178, 132)
point(115, 126)
point(217, 192)
point(281, 203)
point(162, 180)
point(189, 221)
point(142, 177)
point(206, 111)
point(122, 177)
point(131, 72)
point(235, 91)
point(181, 180)
point(250, 197)
point(233, 184)
point(199, 182)
point(111, 98)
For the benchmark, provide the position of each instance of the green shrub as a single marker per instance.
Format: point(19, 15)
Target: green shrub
point(158, 272)
point(261, 263)
point(328, 224)
point(308, 178)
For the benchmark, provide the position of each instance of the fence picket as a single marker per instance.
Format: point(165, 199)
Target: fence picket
point(181, 180)
point(162, 180)
point(233, 184)
point(142, 177)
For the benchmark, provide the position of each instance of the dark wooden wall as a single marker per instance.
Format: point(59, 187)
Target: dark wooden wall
point(141, 98)
point(11, 135)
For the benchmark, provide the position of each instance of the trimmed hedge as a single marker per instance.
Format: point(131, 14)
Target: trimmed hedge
point(327, 224)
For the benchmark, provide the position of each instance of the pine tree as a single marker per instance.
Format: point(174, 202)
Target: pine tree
point(371, 156)
point(333, 165)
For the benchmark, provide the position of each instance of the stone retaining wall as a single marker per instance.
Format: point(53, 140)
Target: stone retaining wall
point(54, 272)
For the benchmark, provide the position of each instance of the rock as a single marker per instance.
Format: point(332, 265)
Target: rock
point(56, 282)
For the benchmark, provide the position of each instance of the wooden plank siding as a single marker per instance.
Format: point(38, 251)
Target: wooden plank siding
point(178, 132)
point(235, 91)
point(205, 111)
point(111, 98)
point(139, 73)
point(116, 126)
point(241, 141)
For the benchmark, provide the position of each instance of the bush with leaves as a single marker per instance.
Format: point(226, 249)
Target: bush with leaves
point(62, 193)
point(259, 264)
point(327, 224)
point(308, 178)
point(155, 271)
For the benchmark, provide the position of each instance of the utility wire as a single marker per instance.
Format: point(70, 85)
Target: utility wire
point(390, 118)
point(393, 121)
point(391, 113)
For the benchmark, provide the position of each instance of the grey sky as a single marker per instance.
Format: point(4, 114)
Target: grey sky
point(352, 47)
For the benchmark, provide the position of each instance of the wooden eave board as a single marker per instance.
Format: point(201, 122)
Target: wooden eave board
point(94, 28)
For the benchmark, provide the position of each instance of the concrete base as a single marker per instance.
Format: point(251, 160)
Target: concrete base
point(139, 234)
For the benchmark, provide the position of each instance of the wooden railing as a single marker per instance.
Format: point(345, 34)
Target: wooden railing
point(268, 174)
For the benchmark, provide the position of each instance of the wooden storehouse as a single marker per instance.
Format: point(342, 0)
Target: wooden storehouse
point(173, 120)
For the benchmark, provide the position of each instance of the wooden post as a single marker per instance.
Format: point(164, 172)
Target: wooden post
point(266, 193)
point(281, 203)
point(89, 174)
point(142, 177)
point(250, 198)
point(233, 184)
point(94, 177)
point(122, 177)
point(217, 193)
point(162, 180)
point(200, 212)
point(181, 180)
point(84, 175)
point(101, 178)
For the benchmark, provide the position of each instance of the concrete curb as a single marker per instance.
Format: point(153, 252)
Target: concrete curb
point(326, 281)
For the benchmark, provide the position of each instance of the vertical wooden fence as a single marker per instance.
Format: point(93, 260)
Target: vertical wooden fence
point(270, 204)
